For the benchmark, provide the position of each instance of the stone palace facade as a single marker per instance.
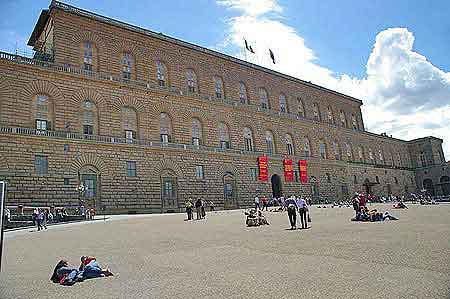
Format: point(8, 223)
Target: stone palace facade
point(145, 121)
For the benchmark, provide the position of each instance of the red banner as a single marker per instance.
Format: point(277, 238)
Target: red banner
point(288, 170)
point(303, 167)
point(263, 168)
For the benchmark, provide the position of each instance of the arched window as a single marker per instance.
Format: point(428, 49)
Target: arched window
point(263, 98)
point(323, 149)
point(300, 108)
point(423, 160)
point(330, 115)
point(316, 112)
point(196, 132)
point(336, 150)
point(89, 120)
point(348, 149)
point(380, 156)
point(343, 119)
point(248, 139)
point(165, 128)
point(127, 65)
point(129, 120)
point(270, 143)
point(224, 136)
point(191, 79)
point(243, 93)
point(218, 87)
point(360, 154)
point(283, 104)
point(354, 122)
point(88, 54)
point(371, 156)
point(44, 113)
point(306, 147)
point(161, 73)
point(289, 144)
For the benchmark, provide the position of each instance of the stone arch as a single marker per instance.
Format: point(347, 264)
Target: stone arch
point(129, 101)
point(3, 162)
point(87, 94)
point(228, 168)
point(4, 93)
point(88, 159)
point(166, 164)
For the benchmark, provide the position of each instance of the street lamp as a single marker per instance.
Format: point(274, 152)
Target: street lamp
point(81, 189)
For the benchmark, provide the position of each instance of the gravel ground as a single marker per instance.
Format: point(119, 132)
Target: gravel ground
point(166, 257)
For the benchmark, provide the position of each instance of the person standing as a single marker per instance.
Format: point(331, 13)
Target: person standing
point(355, 203)
point(198, 208)
point(291, 206)
point(203, 209)
point(256, 202)
point(189, 206)
point(211, 205)
point(302, 209)
point(40, 219)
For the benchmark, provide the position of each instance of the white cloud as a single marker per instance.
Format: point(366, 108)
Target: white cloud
point(403, 93)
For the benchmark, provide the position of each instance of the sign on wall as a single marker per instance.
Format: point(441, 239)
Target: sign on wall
point(2, 217)
point(263, 168)
point(288, 170)
point(303, 168)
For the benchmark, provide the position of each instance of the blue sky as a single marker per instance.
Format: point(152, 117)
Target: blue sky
point(391, 54)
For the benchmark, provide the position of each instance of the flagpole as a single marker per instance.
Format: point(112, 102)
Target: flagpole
point(245, 50)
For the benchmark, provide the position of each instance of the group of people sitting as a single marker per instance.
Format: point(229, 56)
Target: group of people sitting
point(255, 217)
point(64, 274)
point(373, 215)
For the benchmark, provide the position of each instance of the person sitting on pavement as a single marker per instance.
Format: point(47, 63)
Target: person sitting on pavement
point(66, 275)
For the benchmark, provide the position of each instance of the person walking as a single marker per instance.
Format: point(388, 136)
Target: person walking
point(40, 219)
point(302, 209)
point(256, 202)
point(198, 208)
point(291, 206)
point(211, 205)
point(203, 209)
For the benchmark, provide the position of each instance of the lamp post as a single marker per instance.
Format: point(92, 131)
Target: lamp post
point(81, 188)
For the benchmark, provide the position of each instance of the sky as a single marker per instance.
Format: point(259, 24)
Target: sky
point(393, 55)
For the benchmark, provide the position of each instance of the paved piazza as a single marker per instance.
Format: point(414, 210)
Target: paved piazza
point(162, 256)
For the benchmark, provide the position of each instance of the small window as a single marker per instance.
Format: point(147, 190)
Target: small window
point(199, 174)
point(343, 119)
point(377, 179)
point(66, 181)
point(354, 122)
point(41, 125)
point(283, 103)
point(296, 176)
point(66, 148)
point(355, 179)
point(88, 129)
point(130, 135)
point(131, 168)
point(306, 148)
point(248, 139)
point(127, 65)
point(243, 93)
point(328, 177)
point(330, 115)
point(337, 151)
point(396, 180)
point(161, 73)
point(300, 108)
point(41, 165)
point(254, 174)
point(218, 87)
point(87, 56)
point(323, 150)
point(316, 112)
point(263, 98)
point(289, 145)
point(165, 138)
point(191, 81)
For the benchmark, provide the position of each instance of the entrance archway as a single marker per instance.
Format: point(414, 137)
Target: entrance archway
point(89, 177)
point(428, 185)
point(445, 184)
point(276, 186)
point(229, 191)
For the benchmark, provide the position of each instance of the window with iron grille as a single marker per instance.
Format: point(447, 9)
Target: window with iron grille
point(41, 165)
point(131, 168)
